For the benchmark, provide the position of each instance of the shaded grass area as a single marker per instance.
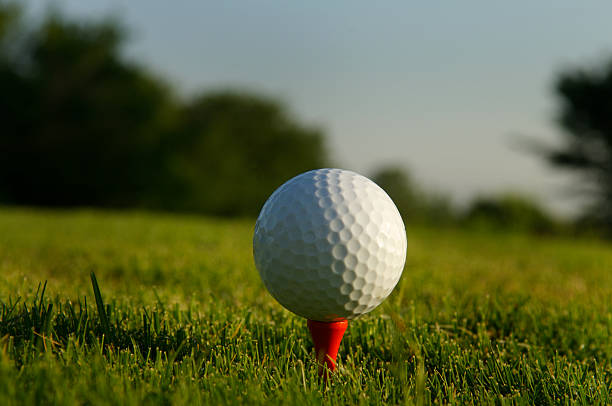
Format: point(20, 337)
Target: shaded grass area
point(182, 318)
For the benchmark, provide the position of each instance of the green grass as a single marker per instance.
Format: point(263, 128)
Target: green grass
point(182, 318)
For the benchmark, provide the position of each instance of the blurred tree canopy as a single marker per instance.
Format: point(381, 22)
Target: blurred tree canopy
point(506, 212)
point(510, 212)
point(79, 125)
point(414, 204)
point(232, 150)
point(585, 116)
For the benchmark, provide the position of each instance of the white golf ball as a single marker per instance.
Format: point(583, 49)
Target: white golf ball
point(329, 244)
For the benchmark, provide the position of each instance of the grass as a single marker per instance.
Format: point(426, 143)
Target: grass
point(178, 315)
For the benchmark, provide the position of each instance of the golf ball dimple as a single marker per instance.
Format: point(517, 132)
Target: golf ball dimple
point(329, 244)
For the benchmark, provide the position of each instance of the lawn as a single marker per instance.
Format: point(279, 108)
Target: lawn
point(184, 319)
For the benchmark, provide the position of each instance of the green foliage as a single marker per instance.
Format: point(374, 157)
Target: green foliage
point(9, 18)
point(484, 318)
point(510, 212)
point(415, 205)
point(233, 149)
point(81, 126)
point(585, 108)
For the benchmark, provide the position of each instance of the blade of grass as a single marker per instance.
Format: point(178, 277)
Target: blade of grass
point(100, 306)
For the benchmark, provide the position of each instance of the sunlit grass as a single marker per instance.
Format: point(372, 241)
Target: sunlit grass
point(476, 318)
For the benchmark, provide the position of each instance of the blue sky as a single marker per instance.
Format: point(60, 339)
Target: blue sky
point(436, 87)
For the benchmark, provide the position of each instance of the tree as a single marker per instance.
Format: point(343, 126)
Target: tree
point(585, 116)
point(235, 148)
point(414, 204)
point(400, 187)
point(80, 126)
point(510, 212)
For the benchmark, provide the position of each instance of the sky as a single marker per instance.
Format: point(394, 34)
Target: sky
point(439, 88)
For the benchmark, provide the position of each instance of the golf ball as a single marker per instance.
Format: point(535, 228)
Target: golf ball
point(329, 245)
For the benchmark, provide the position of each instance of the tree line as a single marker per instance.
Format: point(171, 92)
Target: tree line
point(82, 126)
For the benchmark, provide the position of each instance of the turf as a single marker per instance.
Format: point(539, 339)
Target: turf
point(179, 316)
